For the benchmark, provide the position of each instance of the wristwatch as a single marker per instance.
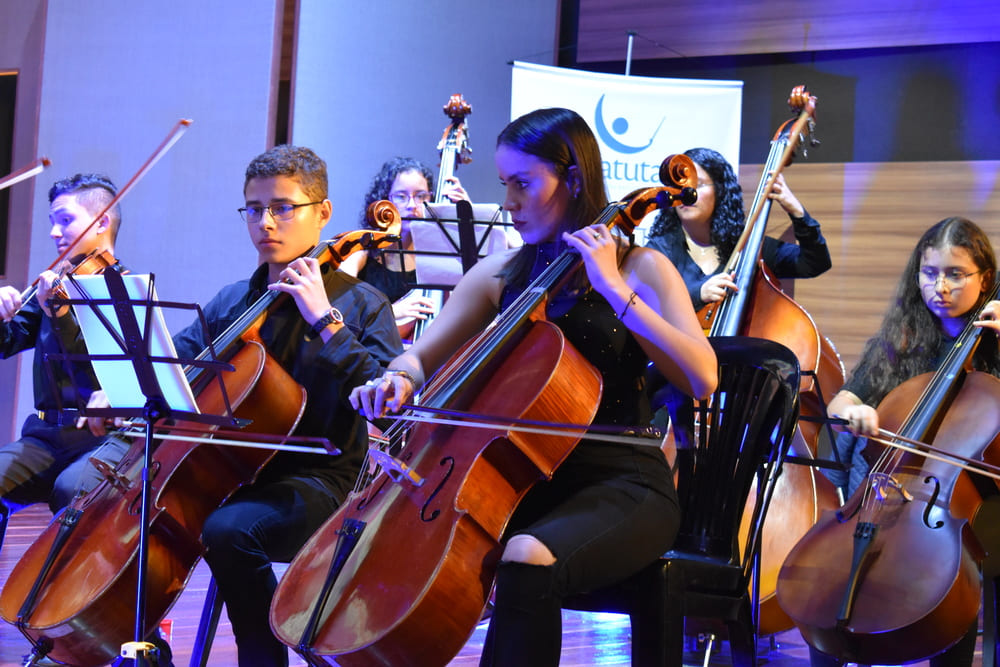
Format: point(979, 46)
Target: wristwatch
point(331, 316)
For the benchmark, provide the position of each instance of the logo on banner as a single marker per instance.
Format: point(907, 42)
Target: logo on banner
point(619, 126)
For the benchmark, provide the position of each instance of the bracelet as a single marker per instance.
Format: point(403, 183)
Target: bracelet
point(403, 374)
point(628, 304)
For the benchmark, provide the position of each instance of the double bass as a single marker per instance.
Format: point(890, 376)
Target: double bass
point(444, 496)
point(454, 150)
point(761, 309)
point(72, 594)
point(892, 576)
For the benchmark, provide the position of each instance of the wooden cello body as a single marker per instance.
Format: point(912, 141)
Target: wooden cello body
point(401, 573)
point(73, 592)
point(425, 576)
point(85, 603)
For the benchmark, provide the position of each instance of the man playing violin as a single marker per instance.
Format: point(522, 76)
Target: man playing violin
point(50, 462)
point(335, 333)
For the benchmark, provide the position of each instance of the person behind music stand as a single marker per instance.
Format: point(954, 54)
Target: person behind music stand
point(334, 333)
point(409, 184)
point(50, 462)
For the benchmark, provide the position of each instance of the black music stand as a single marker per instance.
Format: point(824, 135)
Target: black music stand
point(151, 371)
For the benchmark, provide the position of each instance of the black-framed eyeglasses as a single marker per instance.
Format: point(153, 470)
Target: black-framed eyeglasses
point(952, 278)
point(279, 212)
point(400, 198)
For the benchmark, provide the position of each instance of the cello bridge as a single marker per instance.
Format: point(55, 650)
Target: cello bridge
point(881, 483)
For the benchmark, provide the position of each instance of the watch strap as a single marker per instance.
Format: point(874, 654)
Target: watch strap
point(331, 316)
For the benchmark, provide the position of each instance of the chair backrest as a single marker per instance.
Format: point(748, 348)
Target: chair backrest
point(741, 431)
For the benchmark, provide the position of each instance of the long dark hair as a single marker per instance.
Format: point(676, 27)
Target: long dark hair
point(563, 139)
point(726, 223)
point(907, 343)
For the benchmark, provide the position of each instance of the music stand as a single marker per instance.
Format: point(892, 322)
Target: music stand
point(138, 367)
point(451, 241)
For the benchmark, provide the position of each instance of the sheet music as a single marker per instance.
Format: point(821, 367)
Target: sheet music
point(117, 377)
point(428, 237)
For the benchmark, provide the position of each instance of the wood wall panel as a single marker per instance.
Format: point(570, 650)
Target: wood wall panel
point(872, 214)
point(671, 29)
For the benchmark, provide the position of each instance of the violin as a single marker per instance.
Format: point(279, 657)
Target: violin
point(445, 493)
point(72, 594)
point(892, 577)
point(175, 134)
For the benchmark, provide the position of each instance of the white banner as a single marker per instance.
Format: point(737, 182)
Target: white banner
point(638, 120)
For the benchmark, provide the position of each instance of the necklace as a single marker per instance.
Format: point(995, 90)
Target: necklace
point(698, 251)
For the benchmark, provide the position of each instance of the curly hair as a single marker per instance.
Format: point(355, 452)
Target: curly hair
point(563, 139)
point(296, 162)
point(907, 342)
point(727, 220)
point(382, 183)
point(94, 192)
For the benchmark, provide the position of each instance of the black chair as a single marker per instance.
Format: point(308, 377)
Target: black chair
point(740, 434)
point(7, 508)
point(5, 513)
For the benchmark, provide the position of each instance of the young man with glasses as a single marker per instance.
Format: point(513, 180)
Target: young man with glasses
point(333, 333)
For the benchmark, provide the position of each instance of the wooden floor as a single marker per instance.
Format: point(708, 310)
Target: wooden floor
point(588, 639)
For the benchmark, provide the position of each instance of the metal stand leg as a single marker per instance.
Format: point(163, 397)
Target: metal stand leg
point(211, 611)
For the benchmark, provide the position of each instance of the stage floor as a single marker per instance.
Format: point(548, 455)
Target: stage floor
point(588, 639)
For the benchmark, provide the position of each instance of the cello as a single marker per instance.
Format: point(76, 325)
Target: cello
point(892, 576)
point(72, 593)
point(446, 493)
point(761, 309)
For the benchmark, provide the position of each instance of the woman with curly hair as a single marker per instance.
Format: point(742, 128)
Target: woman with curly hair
point(699, 238)
point(409, 184)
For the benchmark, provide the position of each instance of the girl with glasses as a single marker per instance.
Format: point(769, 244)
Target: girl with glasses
point(944, 284)
point(409, 184)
